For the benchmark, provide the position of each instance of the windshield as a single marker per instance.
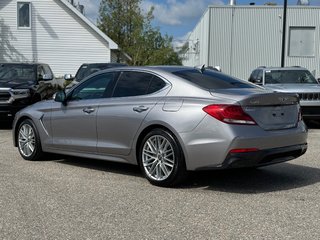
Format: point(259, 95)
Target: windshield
point(86, 70)
point(17, 73)
point(210, 79)
point(289, 76)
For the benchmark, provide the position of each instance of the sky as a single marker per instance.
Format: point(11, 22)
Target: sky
point(177, 18)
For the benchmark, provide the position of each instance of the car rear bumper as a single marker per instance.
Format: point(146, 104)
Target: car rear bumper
point(209, 146)
point(264, 157)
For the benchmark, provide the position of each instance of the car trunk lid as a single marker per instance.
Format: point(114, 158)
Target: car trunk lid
point(270, 110)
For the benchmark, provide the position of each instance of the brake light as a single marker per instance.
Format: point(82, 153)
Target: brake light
point(243, 150)
point(231, 114)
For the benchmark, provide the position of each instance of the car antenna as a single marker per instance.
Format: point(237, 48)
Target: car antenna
point(200, 68)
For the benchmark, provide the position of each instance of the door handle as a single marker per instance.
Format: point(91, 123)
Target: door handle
point(140, 109)
point(88, 110)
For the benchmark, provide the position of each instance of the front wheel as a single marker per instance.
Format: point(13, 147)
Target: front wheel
point(28, 141)
point(161, 159)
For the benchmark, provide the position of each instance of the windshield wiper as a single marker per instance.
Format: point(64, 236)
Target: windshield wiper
point(4, 81)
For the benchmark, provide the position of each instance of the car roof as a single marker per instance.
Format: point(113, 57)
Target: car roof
point(283, 68)
point(104, 64)
point(162, 68)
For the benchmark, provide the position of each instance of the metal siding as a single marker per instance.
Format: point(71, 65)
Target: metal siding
point(57, 37)
point(200, 35)
point(306, 17)
point(220, 38)
point(204, 46)
point(257, 39)
point(244, 37)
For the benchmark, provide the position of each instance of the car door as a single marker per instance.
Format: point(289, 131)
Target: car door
point(74, 124)
point(120, 117)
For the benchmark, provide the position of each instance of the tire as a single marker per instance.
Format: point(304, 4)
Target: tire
point(29, 144)
point(161, 159)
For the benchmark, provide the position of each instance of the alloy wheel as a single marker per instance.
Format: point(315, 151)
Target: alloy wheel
point(26, 140)
point(158, 157)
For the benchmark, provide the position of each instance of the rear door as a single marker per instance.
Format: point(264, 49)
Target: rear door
point(74, 125)
point(120, 117)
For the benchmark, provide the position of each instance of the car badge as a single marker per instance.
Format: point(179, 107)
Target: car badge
point(283, 99)
point(254, 102)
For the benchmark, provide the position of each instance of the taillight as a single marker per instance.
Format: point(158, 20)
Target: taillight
point(299, 115)
point(232, 114)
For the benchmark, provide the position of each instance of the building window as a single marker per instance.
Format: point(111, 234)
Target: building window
point(24, 14)
point(302, 41)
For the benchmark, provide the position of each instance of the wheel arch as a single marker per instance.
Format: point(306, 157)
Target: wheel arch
point(149, 128)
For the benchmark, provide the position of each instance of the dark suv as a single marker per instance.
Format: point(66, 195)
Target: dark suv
point(22, 84)
point(297, 80)
point(87, 69)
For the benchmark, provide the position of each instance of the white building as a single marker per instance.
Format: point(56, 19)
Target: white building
point(52, 32)
point(241, 38)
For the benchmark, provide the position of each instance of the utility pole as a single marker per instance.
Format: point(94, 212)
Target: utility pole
point(284, 27)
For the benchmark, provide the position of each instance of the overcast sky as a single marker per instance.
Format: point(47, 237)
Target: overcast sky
point(178, 17)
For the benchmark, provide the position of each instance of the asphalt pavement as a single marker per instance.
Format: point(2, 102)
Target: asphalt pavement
point(73, 198)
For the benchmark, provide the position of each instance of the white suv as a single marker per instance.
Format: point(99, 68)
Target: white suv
point(291, 80)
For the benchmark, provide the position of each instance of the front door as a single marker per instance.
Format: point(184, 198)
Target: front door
point(74, 124)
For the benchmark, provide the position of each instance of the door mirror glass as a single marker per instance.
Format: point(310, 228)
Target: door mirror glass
point(45, 77)
point(257, 81)
point(60, 97)
point(68, 77)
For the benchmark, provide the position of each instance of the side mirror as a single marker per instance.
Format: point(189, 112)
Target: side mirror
point(257, 81)
point(318, 80)
point(45, 77)
point(68, 77)
point(61, 97)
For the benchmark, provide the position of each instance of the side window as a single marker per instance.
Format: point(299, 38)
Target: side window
point(47, 69)
point(156, 84)
point(24, 14)
point(40, 72)
point(259, 75)
point(93, 88)
point(253, 76)
point(132, 84)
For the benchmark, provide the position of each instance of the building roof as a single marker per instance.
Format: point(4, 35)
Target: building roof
point(112, 44)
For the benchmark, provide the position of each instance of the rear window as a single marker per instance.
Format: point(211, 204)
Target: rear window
point(210, 79)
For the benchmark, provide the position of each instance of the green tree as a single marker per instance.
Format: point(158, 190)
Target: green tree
point(124, 22)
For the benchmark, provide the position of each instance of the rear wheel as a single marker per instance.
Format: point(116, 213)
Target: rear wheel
point(28, 141)
point(161, 159)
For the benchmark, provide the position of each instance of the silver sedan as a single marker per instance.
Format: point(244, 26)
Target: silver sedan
point(168, 120)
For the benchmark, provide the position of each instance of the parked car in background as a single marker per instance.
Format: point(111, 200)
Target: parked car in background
point(292, 80)
point(167, 120)
point(87, 69)
point(22, 84)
